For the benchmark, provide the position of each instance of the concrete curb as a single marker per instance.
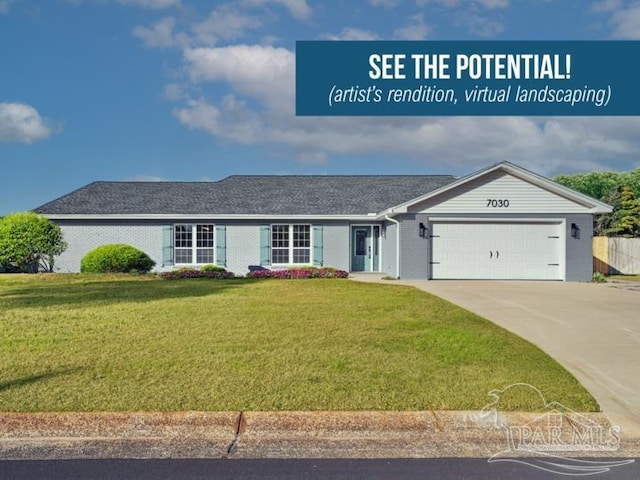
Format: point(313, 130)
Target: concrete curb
point(378, 434)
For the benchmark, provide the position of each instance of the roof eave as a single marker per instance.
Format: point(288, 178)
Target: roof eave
point(182, 216)
point(599, 210)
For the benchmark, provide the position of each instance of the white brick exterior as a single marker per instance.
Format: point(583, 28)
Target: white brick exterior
point(83, 238)
point(243, 247)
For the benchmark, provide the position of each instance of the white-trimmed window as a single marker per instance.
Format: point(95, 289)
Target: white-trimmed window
point(291, 244)
point(194, 244)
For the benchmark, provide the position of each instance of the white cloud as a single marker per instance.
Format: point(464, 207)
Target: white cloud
point(415, 29)
point(489, 4)
point(299, 9)
point(259, 111)
point(270, 40)
point(626, 22)
point(201, 115)
point(349, 33)
point(4, 6)
point(481, 25)
point(153, 4)
point(606, 5)
point(21, 123)
point(624, 17)
point(262, 72)
point(224, 23)
point(174, 92)
point(145, 178)
point(494, 3)
point(384, 3)
point(232, 120)
point(161, 34)
point(479, 17)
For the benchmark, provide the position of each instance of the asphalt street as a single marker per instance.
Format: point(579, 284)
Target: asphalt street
point(308, 469)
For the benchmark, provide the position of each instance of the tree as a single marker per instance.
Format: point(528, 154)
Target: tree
point(28, 239)
point(626, 214)
point(598, 185)
point(610, 187)
point(632, 179)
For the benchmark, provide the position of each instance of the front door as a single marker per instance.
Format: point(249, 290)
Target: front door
point(365, 248)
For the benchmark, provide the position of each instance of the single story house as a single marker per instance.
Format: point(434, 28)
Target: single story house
point(502, 222)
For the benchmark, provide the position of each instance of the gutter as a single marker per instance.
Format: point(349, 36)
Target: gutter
point(393, 220)
point(207, 216)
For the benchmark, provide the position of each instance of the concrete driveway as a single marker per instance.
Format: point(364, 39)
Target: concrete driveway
point(593, 330)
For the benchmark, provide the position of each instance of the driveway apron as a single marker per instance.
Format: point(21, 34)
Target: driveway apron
point(593, 330)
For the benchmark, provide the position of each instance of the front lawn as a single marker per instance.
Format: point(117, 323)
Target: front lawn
point(112, 343)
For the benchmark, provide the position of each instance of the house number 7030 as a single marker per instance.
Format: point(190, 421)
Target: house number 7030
point(497, 203)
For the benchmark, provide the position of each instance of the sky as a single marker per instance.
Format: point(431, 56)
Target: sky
point(195, 90)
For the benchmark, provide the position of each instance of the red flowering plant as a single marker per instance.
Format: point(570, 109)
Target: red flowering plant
point(196, 273)
point(298, 273)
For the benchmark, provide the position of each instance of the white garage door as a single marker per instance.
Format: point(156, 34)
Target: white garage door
point(500, 251)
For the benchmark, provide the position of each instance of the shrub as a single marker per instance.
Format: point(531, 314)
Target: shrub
point(299, 273)
point(179, 273)
point(29, 242)
point(599, 278)
point(212, 268)
point(116, 258)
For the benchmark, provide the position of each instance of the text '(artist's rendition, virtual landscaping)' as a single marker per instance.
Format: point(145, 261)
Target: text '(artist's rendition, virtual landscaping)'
point(465, 78)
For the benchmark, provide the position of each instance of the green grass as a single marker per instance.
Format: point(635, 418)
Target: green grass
point(633, 278)
point(114, 343)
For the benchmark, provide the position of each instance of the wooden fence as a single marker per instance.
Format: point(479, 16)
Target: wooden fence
point(616, 255)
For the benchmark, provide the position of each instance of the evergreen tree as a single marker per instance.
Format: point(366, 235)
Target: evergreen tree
point(626, 214)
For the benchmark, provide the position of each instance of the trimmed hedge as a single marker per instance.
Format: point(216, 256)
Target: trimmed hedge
point(218, 272)
point(212, 268)
point(116, 258)
point(299, 273)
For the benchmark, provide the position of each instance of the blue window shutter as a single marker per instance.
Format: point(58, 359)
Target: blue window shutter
point(167, 245)
point(221, 245)
point(265, 232)
point(317, 246)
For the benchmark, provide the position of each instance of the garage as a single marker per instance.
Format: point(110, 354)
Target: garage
point(497, 250)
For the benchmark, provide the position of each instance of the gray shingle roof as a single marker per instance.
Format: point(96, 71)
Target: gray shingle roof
point(247, 195)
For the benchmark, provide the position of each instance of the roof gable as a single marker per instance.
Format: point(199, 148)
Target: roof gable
point(525, 191)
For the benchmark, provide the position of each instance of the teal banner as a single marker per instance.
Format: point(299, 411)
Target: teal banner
point(535, 78)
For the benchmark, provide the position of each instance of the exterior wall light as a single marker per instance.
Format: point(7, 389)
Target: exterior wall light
point(422, 231)
point(575, 231)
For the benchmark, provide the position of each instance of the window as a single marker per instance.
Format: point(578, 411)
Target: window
point(291, 244)
point(280, 244)
point(361, 241)
point(204, 244)
point(183, 244)
point(198, 252)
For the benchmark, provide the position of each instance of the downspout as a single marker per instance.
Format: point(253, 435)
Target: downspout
point(393, 220)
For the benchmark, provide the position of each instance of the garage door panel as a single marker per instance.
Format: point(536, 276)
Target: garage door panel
point(486, 250)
